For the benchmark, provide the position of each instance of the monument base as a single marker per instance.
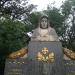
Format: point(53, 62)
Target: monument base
point(32, 66)
point(54, 68)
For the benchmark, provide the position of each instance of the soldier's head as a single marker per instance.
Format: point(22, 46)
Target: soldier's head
point(44, 22)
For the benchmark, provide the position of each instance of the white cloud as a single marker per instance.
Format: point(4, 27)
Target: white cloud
point(42, 4)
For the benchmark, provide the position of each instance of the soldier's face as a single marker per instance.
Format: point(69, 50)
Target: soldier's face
point(44, 23)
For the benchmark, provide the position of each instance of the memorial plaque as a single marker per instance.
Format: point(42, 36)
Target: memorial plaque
point(16, 67)
point(69, 67)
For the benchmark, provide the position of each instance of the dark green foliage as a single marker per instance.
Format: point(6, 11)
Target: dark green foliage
point(34, 19)
point(12, 38)
point(12, 35)
point(68, 9)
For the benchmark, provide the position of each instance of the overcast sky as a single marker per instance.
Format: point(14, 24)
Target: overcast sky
point(42, 4)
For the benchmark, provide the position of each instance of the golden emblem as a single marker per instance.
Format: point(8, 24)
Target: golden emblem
point(45, 56)
point(20, 53)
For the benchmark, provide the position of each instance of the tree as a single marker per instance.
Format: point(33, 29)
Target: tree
point(34, 19)
point(68, 11)
point(14, 24)
point(16, 9)
point(12, 38)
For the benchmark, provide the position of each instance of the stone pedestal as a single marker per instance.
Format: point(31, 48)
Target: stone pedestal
point(55, 68)
point(31, 66)
point(16, 66)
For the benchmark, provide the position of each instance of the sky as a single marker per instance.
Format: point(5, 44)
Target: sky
point(42, 4)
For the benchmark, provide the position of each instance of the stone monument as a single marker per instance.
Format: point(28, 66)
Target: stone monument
point(46, 49)
point(44, 55)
